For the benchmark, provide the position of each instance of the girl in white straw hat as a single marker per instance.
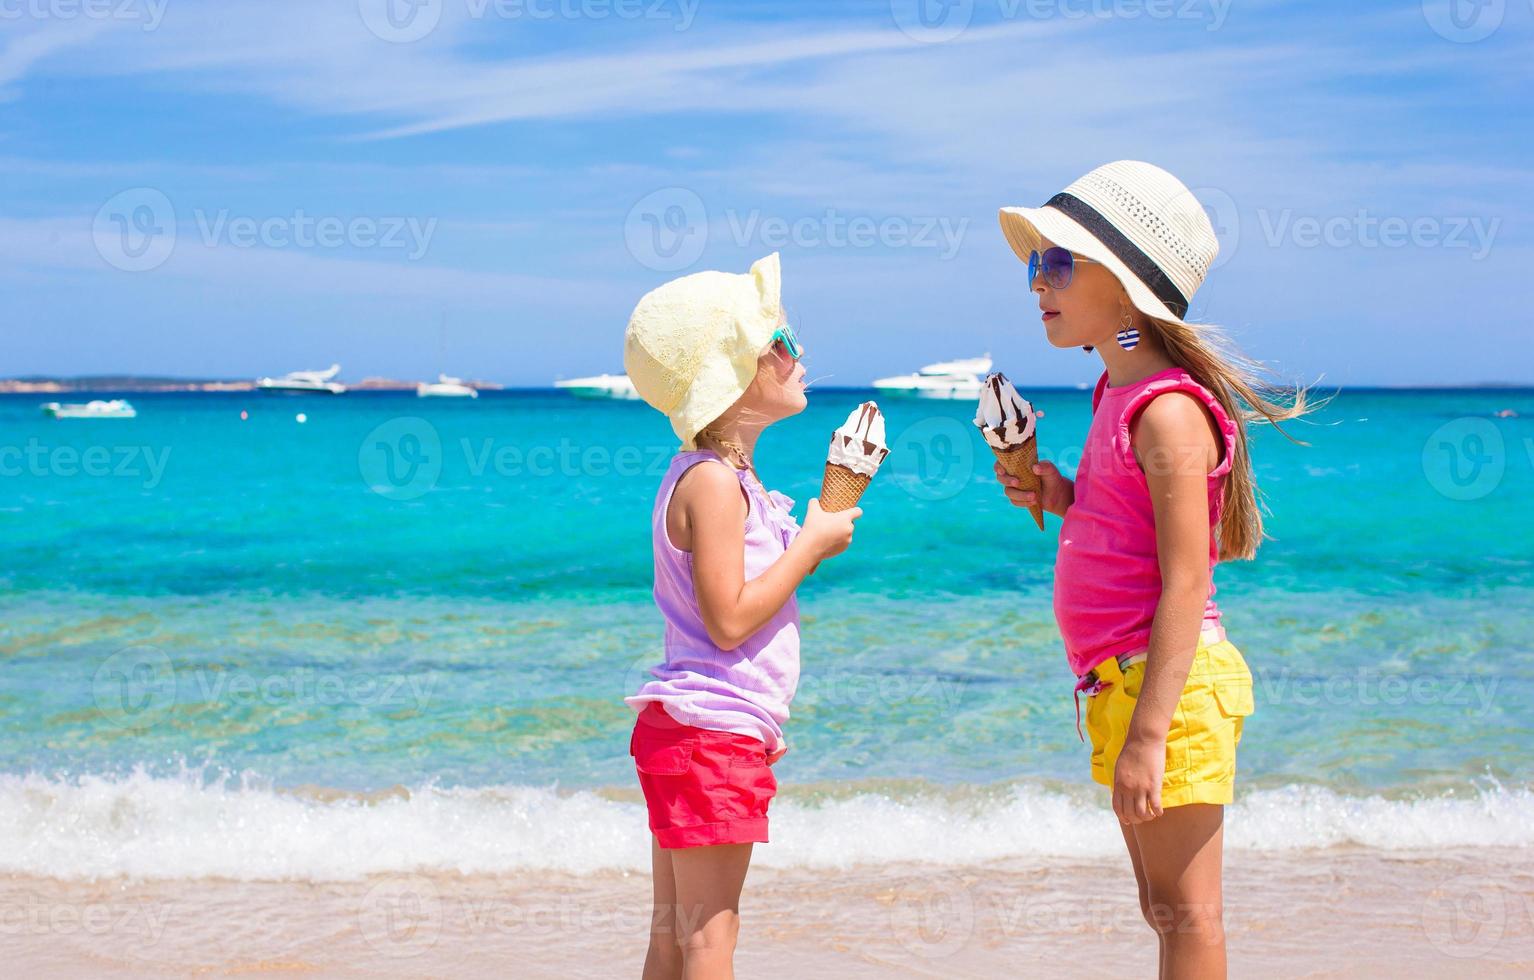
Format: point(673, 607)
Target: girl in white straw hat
point(714, 353)
point(1164, 491)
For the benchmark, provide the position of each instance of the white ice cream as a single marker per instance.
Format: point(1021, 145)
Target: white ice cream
point(1004, 417)
point(859, 443)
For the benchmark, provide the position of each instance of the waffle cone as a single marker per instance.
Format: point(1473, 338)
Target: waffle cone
point(1018, 461)
point(841, 489)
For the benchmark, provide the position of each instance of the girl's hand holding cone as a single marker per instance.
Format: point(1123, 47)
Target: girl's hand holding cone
point(1057, 494)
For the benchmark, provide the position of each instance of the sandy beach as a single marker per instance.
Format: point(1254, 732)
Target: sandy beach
point(1337, 913)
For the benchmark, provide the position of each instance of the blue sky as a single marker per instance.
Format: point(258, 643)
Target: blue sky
point(239, 188)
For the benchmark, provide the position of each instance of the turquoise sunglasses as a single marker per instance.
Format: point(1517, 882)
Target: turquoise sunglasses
point(785, 336)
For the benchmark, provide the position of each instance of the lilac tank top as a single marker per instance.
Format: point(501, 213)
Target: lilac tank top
point(746, 690)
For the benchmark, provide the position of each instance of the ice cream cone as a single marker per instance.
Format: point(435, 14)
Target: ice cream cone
point(1019, 462)
point(1010, 426)
point(841, 489)
point(856, 452)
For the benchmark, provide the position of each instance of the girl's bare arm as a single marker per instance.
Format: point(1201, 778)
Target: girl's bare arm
point(1176, 448)
point(714, 512)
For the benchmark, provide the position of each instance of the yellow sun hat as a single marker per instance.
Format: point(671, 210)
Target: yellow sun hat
point(692, 345)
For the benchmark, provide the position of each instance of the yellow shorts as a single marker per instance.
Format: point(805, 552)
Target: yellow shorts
point(1201, 743)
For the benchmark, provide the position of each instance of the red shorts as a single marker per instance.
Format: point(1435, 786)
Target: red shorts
point(702, 787)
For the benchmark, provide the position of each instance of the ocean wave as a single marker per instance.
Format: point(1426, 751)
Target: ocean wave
point(226, 826)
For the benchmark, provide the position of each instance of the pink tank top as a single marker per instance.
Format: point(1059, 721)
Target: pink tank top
point(1107, 580)
point(746, 690)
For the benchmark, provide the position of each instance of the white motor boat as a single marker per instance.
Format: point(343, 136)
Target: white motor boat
point(304, 383)
point(114, 409)
point(952, 380)
point(615, 386)
point(445, 387)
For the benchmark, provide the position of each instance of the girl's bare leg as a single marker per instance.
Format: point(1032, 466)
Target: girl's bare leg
point(1181, 853)
point(1145, 907)
point(708, 883)
point(663, 961)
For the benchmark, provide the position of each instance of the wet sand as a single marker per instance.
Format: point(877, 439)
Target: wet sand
point(1335, 913)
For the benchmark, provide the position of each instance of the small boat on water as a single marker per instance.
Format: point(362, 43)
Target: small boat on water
point(612, 386)
point(304, 383)
point(114, 409)
point(949, 380)
point(445, 387)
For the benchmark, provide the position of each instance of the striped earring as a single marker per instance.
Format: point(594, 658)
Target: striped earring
point(1128, 337)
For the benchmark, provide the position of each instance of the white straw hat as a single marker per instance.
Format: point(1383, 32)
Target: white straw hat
point(692, 345)
point(1135, 218)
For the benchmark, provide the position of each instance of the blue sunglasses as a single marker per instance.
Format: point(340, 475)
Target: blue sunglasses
point(785, 337)
point(1056, 264)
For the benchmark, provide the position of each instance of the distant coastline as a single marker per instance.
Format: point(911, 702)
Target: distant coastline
point(88, 384)
point(138, 383)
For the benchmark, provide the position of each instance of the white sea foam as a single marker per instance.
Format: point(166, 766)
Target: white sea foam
point(190, 826)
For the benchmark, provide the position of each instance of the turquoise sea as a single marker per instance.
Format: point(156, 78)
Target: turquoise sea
point(397, 634)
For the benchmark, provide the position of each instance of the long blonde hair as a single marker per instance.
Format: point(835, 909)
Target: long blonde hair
point(1236, 381)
